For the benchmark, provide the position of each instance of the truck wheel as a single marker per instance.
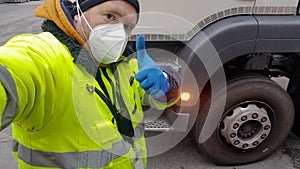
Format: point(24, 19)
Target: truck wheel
point(257, 118)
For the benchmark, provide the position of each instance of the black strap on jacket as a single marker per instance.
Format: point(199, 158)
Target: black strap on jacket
point(122, 116)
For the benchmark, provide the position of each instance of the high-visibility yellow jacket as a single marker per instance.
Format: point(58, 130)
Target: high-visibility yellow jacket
point(58, 119)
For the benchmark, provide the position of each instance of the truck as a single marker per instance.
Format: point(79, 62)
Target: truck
point(228, 55)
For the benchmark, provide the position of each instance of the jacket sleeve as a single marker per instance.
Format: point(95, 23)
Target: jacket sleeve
point(3, 101)
point(27, 80)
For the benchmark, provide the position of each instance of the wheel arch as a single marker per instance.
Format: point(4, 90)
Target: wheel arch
point(240, 35)
point(237, 36)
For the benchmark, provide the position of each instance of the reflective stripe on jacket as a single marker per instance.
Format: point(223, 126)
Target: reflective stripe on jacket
point(57, 121)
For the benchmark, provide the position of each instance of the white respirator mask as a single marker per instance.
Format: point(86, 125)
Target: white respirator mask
point(107, 42)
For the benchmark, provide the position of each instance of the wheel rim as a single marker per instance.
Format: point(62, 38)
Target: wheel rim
point(247, 125)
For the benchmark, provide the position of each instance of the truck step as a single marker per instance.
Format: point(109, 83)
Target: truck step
point(170, 121)
point(159, 125)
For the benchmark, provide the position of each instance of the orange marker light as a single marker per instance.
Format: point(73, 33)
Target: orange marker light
point(185, 96)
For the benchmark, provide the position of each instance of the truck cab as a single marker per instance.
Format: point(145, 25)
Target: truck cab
point(229, 56)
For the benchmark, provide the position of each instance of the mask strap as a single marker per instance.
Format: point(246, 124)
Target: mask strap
point(80, 13)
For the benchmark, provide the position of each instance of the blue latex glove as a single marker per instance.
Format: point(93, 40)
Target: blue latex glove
point(150, 76)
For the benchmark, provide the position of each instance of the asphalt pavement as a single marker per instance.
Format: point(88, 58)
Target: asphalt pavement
point(17, 18)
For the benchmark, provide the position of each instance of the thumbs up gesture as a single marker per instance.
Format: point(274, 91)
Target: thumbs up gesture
point(150, 76)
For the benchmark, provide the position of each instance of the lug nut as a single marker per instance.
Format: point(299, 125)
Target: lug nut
point(236, 142)
point(255, 143)
point(254, 115)
point(264, 119)
point(245, 145)
point(244, 118)
point(232, 135)
point(267, 127)
point(263, 136)
point(235, 126)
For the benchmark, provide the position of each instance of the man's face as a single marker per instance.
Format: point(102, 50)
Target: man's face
point(114, 11)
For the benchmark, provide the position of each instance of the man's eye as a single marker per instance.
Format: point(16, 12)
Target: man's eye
point(110, 17)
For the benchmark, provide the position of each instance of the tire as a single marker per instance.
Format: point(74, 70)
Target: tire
point(250, 98)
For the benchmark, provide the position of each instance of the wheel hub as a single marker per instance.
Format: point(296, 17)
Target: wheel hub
point(246, 126)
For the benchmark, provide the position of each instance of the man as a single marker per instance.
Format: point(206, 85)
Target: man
point(72, 99)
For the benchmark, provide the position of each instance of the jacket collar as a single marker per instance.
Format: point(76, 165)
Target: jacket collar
point(79, 54)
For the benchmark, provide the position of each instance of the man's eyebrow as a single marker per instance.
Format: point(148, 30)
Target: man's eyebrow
point(113, 10)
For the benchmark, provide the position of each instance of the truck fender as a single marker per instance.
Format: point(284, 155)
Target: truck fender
point(230, 38)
